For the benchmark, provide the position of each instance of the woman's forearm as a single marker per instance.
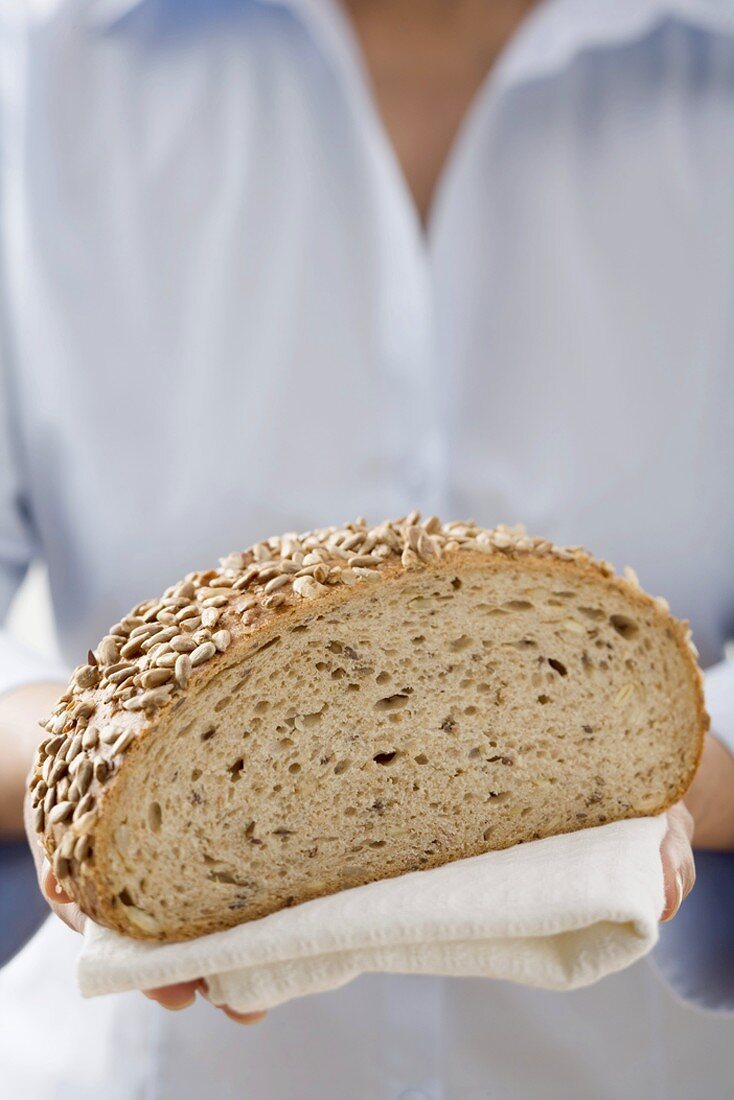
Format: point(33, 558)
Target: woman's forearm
point(711, 798)
point(20, 711)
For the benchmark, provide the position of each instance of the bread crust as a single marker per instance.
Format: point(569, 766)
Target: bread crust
point(84, 878)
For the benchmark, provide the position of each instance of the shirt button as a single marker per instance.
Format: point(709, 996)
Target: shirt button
point(414, 1094)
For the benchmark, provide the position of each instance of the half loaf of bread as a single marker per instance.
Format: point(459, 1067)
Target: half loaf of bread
point(332, 708)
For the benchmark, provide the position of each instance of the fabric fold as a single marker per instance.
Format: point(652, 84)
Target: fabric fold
point(559, 914)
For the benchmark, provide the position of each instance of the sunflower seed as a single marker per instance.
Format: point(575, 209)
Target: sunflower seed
point(183, 670)
point(84, 823)
point(39, 819)
point(215, 601)
point(183, 643)
point(86, 676)
point(161, 636)
point(131, 648)
point(60, 866)
point(167, 659)
point(189, 612)
point(275, 599)
point(308, 588)
point(74, 748)
point(210, 616)
point(60, 812)
point(101, 770)
point(277, 582)
point(108, 651)
point(84, 776)
point(49, 800)
point(221, 639)
point(202, 653)
point(572, 626)
point(623, 695)
point(90, 737)
point(109, 734)
point(82, 847)
point(123, 740)
point(221, 582)
point(66, 847)
point(143, 630)
point(60, 767)
point(154, 677)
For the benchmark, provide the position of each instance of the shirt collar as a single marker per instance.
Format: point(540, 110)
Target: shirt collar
point(550, 38)
point(603, 18)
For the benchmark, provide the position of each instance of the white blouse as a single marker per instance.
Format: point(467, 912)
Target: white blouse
point(221, 318)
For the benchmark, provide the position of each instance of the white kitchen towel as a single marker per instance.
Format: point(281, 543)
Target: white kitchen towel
point(557, 913)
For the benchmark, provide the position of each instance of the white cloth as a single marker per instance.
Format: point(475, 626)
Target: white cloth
point(558, 914)
point(220, 318)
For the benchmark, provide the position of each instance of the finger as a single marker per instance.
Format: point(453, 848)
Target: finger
point(50, 887)
point(173, 997)
point(679, 871)
point(243, 1017)
point(238, 1017)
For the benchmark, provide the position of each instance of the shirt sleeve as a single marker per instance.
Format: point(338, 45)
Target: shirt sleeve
point(695, 954)
point(18, 542)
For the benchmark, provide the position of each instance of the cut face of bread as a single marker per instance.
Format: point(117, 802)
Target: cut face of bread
point(467, 703)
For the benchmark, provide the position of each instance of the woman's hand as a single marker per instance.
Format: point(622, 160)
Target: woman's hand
point(172, 997)
point(706, 819)
point(19, 713)
point(677, 855)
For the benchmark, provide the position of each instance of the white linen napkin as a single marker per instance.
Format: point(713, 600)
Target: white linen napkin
point(557, 913)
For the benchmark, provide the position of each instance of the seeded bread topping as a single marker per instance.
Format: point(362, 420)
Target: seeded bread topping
point(149, 659)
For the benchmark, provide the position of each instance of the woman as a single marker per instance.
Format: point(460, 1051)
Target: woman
point(270, 264)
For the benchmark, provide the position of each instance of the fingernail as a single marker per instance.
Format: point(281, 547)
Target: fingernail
point(678, 897)
point(184, 1004)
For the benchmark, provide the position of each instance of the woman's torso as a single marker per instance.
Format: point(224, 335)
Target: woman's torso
point(226, 322)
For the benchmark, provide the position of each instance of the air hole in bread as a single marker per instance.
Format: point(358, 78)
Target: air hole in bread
point(625, 627)
point(385, 757)
point(391, 702)
point(543, 699)
point(421, 758)
point(456, 584)
point(154, 817)
point(235, 770)
point(383, 678)
point(559, 666)
point(518, 605)
point(593, 613)
point(208, 733)
point(341, 767)
point(196, 774)
point(460, 644)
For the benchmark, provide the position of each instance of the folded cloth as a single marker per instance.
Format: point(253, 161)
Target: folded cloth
point(558, 913)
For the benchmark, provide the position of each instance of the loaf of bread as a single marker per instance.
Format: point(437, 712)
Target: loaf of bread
point(328, 709)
